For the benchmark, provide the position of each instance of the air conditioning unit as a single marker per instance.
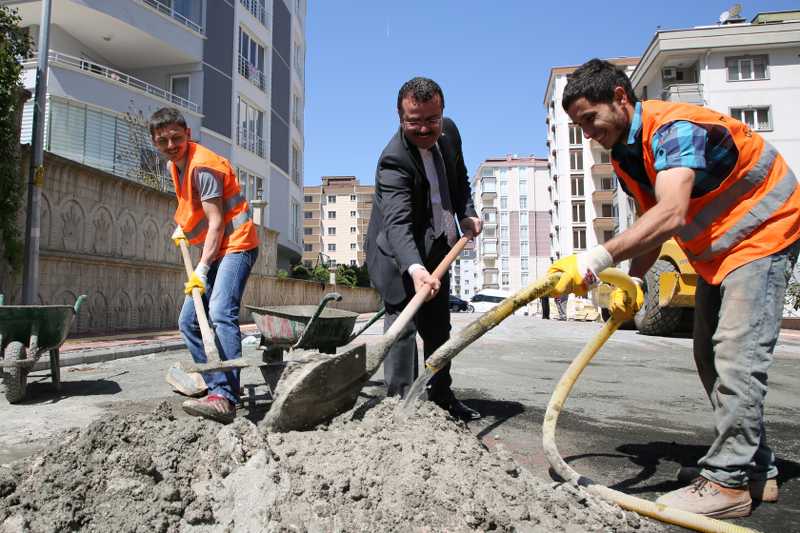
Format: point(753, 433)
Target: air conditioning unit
point(669, 73)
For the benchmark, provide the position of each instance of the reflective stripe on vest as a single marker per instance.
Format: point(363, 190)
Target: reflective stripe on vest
point(230, 227)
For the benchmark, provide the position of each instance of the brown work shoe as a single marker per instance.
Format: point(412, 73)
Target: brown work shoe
point(213, 407)
point(764, 490)
point(709, 499)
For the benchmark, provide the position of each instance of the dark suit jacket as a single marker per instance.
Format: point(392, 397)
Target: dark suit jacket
point(401, 230)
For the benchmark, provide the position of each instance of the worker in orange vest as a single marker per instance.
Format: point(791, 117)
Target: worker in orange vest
point(733, 205)
point(212, 213)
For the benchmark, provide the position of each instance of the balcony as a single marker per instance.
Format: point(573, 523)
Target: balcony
point(605, 223)
point(170, 11)
point(488, 193)
point(257, 9)
point(251, 73)
point(250, 141)
point(602, 169)
point(604, 195)
point(690, 93)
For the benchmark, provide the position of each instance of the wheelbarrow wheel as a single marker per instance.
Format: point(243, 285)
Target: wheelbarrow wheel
point(15, 377)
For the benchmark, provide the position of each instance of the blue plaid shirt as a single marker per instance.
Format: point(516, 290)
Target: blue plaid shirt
point(709, 150)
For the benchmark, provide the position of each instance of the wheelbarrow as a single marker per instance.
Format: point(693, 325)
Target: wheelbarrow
point(28, 331)
point(308, 327)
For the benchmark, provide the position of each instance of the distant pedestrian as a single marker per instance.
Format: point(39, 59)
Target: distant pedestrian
point(545, 308)
point(561, 304)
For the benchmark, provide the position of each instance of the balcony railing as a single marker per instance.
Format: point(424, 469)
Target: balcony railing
point(170, 12)
point(605, 223)
point(602, 169)
point(690, 93)
point(250, 72)
point(250, 141)
point(114, 76)
point(257, 9)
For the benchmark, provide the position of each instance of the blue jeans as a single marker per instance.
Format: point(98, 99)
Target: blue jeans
point(736, 326)
point(227, 278)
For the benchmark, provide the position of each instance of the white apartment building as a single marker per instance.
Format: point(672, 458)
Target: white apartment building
point(511, 197)
point(749, 70)
point(335, 218)
point(464, 275)
point(586, 205)
point(235, 68)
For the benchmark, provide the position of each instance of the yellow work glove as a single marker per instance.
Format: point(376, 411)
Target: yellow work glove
point(178, 236)
point(621, 306)
point(579, 272)
point(198, 279)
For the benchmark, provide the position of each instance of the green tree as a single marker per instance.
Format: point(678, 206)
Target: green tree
point(14, 45)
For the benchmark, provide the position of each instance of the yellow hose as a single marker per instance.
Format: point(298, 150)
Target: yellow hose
point(644, 507)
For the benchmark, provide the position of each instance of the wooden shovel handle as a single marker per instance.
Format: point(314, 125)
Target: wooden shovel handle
point(209, 344)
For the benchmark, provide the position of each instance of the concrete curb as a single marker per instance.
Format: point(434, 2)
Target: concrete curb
point(102, 355)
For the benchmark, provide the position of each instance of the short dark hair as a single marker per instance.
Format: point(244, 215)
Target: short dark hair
point(420, 89)
point(164, 117)
point(596, 80)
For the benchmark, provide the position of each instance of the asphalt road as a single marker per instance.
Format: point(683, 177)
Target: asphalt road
point(635, 416)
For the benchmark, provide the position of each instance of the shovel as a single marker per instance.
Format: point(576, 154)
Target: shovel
point(315, 387)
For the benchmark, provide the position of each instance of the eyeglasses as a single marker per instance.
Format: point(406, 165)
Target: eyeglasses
point(163, 141)
point(429, 122)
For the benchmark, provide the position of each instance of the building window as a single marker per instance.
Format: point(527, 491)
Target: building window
point(576, 184)
point(297, 112)
point(504, 232)
point(523, 248)
point(308, 198)
point(331, 199)
point(576, 159)
point(297, 166)
point(523, 202)
point(353, 263)
point(331, 214)
point(605, 157)
point(487, 171)
point(523, 263)
point(352, 229)
point(505, 277)
point(575, 135)
point(523, 186)
point(608, 235)
point(607, 210)
point(250, 128)
point(298, 60)
point(489, 248)
point(488, 185)
point(579, 212)
point(579, 239)
point(294, 226)
point(251, 60)
point(308, 231)
point(608, 184)
point(352, 246)
point(332, 263)
point(503, 187)
point(352, 214)
point(307, 247)
point(524, 279)
point(307, 214)
point(257, 9)
point(504, 219)
point(331, 231)
point(504, 202)
point(352, 197)
point(179, 86)
point(504, 264)
point(747, 68)
point(758, 118)
point(331, 247)
point(504, 248)
point(523, 231)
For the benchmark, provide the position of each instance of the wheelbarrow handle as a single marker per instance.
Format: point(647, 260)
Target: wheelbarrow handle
point(363, 328)
point(325, 299)
point(78, 303)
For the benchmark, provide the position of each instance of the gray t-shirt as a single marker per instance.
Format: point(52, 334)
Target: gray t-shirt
point(206, 184)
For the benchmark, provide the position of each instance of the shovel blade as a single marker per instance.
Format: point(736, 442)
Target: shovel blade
point(215, 366)
point(316, 387)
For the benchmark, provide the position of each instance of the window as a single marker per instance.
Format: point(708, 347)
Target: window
point(487, 171)
point(352, 197)
point(307, 247)
point(523, 186)
point(179, 86)
point(608, 184)
point(352, 229)
point(504, 219)
point(523, 248)
point(331, 199)
point(578, 212)
point(257, 8)
point(297, 166)
point(523, 263)
point(251, 60)
point(607, 210)
point(307, 214)
point(504, 264)
point(308, 231)
point(524, 279)
point(294, 222)
point(504, 187)
point(575, 135)
point(250, 128)
point(252, 186)
point(298, 60)
point(504, 202)
point(579, 239)
point(331, 247)
point(608, 235)
point(332, 262)
point(352, 246)
point(747, 68)
point(308, 198)
point(504, 232)
point(331, 214)
point(605, 157)
point(352, 213)
point(576, 184)
point(505, 278)
point(756, 117)
point(523, 202)
point(297, 112)
point(352, 262)
point(504, 248)
point(523, 231)
point(489, 185)
point(490, 247)
point(576, 159)
point(331, 231)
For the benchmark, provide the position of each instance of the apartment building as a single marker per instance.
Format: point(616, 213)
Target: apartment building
point(585, 205)
point(235, 68)
point(465, 279)
point(335, 218)
point(749, 70)
point(511, 196)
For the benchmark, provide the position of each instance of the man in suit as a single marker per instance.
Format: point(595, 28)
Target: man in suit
point(421, 184)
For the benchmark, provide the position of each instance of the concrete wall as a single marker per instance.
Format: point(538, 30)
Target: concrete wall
point(276, 291)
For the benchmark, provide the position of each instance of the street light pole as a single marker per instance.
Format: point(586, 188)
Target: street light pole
point(30, 273)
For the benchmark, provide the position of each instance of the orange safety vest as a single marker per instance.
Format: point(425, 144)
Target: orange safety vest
point(240, 233)
point(754, 212)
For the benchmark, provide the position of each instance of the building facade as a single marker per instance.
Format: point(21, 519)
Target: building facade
point(748, 70)
point(235, 68)
point(585, 204)
point(511, 197)
point(464, 276)
point(335, 218)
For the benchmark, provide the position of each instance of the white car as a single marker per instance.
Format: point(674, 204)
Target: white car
point(488, 298)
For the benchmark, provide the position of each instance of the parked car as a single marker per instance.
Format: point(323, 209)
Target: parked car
point(487, 299)
point(457, 305)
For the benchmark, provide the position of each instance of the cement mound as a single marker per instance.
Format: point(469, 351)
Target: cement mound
point(366, 471)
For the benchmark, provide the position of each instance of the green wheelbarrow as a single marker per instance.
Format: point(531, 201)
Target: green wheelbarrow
point(26, 332)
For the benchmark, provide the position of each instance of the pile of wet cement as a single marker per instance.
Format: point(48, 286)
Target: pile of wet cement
point(366, 471)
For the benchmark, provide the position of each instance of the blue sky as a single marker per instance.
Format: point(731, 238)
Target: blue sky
point(492, 59)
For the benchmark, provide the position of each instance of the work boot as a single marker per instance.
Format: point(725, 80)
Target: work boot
point(762, 490)
point(707, 498)
point(214, 407)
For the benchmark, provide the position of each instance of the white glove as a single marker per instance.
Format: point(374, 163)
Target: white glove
point(591, 263)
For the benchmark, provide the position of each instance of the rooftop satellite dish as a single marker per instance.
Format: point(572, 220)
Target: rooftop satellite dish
point(735, 10)
point(724, 16)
